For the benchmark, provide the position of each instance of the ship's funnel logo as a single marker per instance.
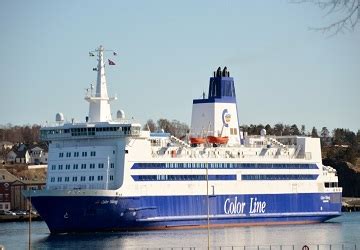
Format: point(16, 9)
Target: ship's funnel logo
point(226, 117)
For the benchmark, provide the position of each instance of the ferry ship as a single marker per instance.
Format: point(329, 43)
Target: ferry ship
point(107, 174)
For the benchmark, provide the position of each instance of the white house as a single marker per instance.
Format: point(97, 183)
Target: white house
point(38, 155)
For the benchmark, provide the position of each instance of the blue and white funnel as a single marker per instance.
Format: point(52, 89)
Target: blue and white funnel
point(217, 114)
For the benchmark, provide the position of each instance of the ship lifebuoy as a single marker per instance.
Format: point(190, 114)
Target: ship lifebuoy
point(305, 247)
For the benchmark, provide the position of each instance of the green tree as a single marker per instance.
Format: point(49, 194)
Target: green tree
point(325, 136)
point(294, 130)
point(302, 132)
point(268, 129)
point(314, 133)
point(278, 129)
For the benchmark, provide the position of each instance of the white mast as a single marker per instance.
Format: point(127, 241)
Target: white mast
point(99, 107)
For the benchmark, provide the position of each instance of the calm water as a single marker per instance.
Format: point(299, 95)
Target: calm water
point(343, 230)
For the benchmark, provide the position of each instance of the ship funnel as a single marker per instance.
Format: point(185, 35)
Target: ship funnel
point(217, 112)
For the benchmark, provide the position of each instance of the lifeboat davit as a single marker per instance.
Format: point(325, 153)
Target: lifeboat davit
point(218, 139)
point(197, 140)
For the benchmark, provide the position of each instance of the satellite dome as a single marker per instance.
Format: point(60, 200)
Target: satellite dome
point(120, 114)
point(59, 117)
point(263, 132)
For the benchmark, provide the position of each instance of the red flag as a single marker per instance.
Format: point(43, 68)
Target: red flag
point(111, 62)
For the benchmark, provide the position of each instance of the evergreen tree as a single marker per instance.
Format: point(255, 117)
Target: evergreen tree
point(302, 130)
point(278, 129)
point(294, 130)
point(314, 133)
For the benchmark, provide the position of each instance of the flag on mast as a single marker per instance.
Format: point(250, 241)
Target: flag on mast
point(111, 62)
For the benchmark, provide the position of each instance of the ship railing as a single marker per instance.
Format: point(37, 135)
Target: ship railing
point(185, 155)
point(303, 246)
point(101, 186)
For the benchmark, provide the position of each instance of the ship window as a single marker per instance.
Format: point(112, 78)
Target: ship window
point(279, 177)
point(83, 166)
point(92, 165)
point(75, 166)
point(67, 179)
point(61, 155)
point(82, 178)
point(84, 154)
point(67, 166)
point(59, 179)
point(76, 154)
point(112, 165)
point(74, 178)
point(52, 179)
point(111, 177)
point(327, 184)
point(101, 165)
point(100, 178)
point(91, 178)
point(92, 153)
point(60, 167)
point(53, 167)
point(68, 154)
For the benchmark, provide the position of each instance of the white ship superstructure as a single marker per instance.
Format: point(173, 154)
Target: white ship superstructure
point(108, 174)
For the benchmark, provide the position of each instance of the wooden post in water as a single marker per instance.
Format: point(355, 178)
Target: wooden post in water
point(29, 220)
point(208, 205)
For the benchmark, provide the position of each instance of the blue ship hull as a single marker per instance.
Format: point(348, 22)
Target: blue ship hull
point(65, 214)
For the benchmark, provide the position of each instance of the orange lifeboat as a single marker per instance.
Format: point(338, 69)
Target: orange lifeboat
point(197, 140)
point(218, 139)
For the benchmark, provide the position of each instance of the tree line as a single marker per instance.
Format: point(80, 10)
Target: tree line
point(339, 144)
point(25, 134)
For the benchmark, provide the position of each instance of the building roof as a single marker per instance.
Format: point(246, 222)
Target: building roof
point(5, 176)
point(7, 143)
point(43, 146)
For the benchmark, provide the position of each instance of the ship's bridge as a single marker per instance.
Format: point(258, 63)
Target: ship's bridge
point(90, 130)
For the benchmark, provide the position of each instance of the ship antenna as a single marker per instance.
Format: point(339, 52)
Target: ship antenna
point(99, 103)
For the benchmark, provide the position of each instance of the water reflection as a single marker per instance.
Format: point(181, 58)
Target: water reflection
point(325, 233)
point(344, 229)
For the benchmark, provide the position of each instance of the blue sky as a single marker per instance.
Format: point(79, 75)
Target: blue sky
point(167, 50)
